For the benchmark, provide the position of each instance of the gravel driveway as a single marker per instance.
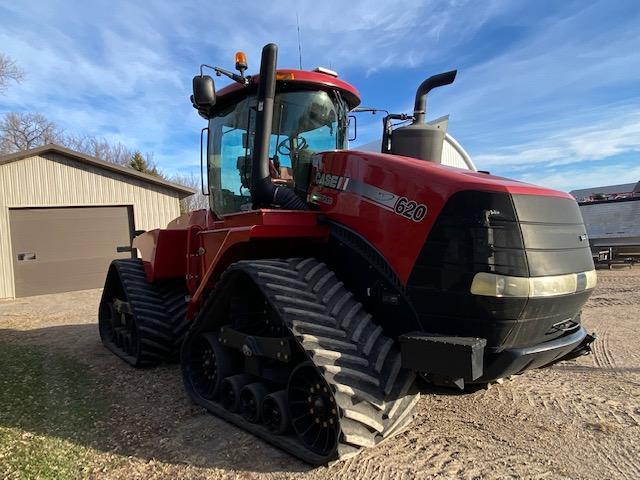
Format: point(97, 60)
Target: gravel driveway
point(579, 419)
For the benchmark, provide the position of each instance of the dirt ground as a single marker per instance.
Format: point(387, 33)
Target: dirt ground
point(579, 419)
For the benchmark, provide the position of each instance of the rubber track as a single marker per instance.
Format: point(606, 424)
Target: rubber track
point(159, 309)
point(375, 395)
point(174, 296)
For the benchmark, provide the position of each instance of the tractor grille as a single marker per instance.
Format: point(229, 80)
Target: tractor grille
point(520, 235)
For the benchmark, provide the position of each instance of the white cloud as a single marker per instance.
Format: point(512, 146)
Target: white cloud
point(122, 70)
point(588, 143)
point(579, 177)
point(353, 34)
point(560, 61)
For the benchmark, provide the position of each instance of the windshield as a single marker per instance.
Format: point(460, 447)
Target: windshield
point(304, 123)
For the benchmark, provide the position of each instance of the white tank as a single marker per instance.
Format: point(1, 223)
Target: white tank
point(453, 155)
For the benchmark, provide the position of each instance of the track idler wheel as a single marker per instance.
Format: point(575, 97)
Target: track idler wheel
point(251, 397)
point(275, 414)
point(208, 364)
point(313, 408)
point(230, 390)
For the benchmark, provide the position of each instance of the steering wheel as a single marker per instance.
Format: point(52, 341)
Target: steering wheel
point(285, 149)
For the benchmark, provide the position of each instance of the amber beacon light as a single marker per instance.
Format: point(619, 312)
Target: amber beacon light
point(241, 62)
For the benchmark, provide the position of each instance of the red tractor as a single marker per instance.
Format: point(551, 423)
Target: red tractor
point(322, 282)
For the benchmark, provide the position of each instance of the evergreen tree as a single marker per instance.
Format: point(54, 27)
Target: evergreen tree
point(142, 164)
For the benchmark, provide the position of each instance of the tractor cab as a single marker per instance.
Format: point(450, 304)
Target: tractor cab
point(304, 122)
point(309, 115)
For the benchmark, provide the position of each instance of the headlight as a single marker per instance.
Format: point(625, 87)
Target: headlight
point(493, 285)
point(590, 279)
point(550, 286)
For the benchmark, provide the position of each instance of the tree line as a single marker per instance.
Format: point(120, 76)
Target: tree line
point(21, 131)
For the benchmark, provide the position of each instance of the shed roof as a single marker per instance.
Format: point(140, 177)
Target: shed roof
point(93, 161)
point(607, 190)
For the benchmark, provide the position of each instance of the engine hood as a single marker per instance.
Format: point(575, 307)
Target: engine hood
point(450, 176)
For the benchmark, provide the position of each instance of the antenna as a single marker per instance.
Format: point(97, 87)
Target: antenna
point(299, 45)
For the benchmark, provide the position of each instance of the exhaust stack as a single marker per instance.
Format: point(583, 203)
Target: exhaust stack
point(263, 192)
point(435, 81)
point(264, 114)
point(421, 140)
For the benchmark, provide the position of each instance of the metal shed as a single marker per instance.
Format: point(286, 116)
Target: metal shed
point(613, 224)
point(65, 215)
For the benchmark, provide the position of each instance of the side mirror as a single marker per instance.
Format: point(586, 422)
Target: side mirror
point(353, 128)
point(204, 92)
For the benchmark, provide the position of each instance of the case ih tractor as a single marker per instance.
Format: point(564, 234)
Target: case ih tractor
point(322, 282)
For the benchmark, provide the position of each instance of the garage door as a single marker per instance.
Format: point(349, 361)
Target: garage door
point(64, 249)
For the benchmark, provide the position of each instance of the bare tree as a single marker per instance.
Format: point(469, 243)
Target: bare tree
point(9, 71)
point(100, 148)
point(197, 201)
point(22, 131)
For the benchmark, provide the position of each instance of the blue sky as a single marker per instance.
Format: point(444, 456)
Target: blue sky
point(547, 91)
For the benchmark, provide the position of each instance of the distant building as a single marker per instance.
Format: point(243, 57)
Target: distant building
point(612, 217)
point(609, 192)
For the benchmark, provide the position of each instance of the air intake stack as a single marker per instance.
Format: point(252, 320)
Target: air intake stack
point(421, 140)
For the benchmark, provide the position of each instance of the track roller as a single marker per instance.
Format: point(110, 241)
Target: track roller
point(230, 390)
point(275, 412)
point(251, 397)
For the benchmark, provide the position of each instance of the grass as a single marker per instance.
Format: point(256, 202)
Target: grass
point(50, 416)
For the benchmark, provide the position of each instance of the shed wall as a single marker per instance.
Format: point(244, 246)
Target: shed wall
point(612, 223)
point(55, 180)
